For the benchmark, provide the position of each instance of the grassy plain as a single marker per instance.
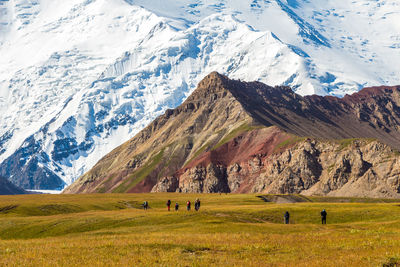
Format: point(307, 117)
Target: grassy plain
point(229, 230)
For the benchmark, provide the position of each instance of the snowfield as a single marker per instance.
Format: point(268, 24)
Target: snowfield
point(80, 77)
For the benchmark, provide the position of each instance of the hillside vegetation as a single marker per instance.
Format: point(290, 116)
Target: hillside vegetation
point(234, 230)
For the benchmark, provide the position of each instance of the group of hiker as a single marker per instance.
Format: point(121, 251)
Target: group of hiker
point(169, 202)
point(286, 217)
point(188, 205)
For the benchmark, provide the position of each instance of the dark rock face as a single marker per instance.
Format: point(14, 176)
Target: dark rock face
point(63, 148)
point(26, 170)
point(7, 188)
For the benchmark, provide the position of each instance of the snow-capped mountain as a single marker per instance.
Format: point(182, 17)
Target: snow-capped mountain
point(80, 77)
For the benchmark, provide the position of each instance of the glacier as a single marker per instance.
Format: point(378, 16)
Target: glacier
point(80, 77)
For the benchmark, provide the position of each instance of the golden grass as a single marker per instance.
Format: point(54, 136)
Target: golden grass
point(229, 230)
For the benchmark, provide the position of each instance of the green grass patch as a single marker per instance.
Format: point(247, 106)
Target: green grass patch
point(289, 142)
point(330, 167)
point(104, 189)
point(172, 158)
point(140, 174)
point(198, 152)
point(344, 143)
point(245, 127)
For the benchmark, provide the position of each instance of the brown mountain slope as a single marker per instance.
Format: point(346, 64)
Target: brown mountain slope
point(168, 142)
point(232, 136)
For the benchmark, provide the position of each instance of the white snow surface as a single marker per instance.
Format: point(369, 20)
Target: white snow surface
point(84, 76)
point(53, 192)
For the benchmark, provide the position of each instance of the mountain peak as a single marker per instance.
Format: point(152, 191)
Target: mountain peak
point(213, 83)
point(213, 76)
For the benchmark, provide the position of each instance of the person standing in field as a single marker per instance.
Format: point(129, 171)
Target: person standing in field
point(145, 205)
point(169, 204)
point(197, 204)
point(286, 217)
point(188, 205)
point(323, 216)
point(176, 206)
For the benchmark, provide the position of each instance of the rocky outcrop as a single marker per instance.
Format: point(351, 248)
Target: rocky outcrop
point(210, 179)
point(324, 168)
point(167, 184)
point(365, 168)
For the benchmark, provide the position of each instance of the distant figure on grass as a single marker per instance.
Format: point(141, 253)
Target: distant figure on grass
point(176, 206)
point(145, 205)
point(197, 204)
point(286, 217)
point(188, 205)
point(323, 216)
point(169, 204)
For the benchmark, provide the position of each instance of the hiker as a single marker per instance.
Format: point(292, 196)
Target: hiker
point(168, 204)
point(145, 205)
point(323, 216)
point(197, 204)
point(188, 205)
point(176, 206)
point(286, 217)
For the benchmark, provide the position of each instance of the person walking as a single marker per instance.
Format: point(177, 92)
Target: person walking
point(188, 205)
point(169, 204)
point(176, 206)
point(323, 216)
point(286, 217)
point(145, 205)
point(197, 204)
